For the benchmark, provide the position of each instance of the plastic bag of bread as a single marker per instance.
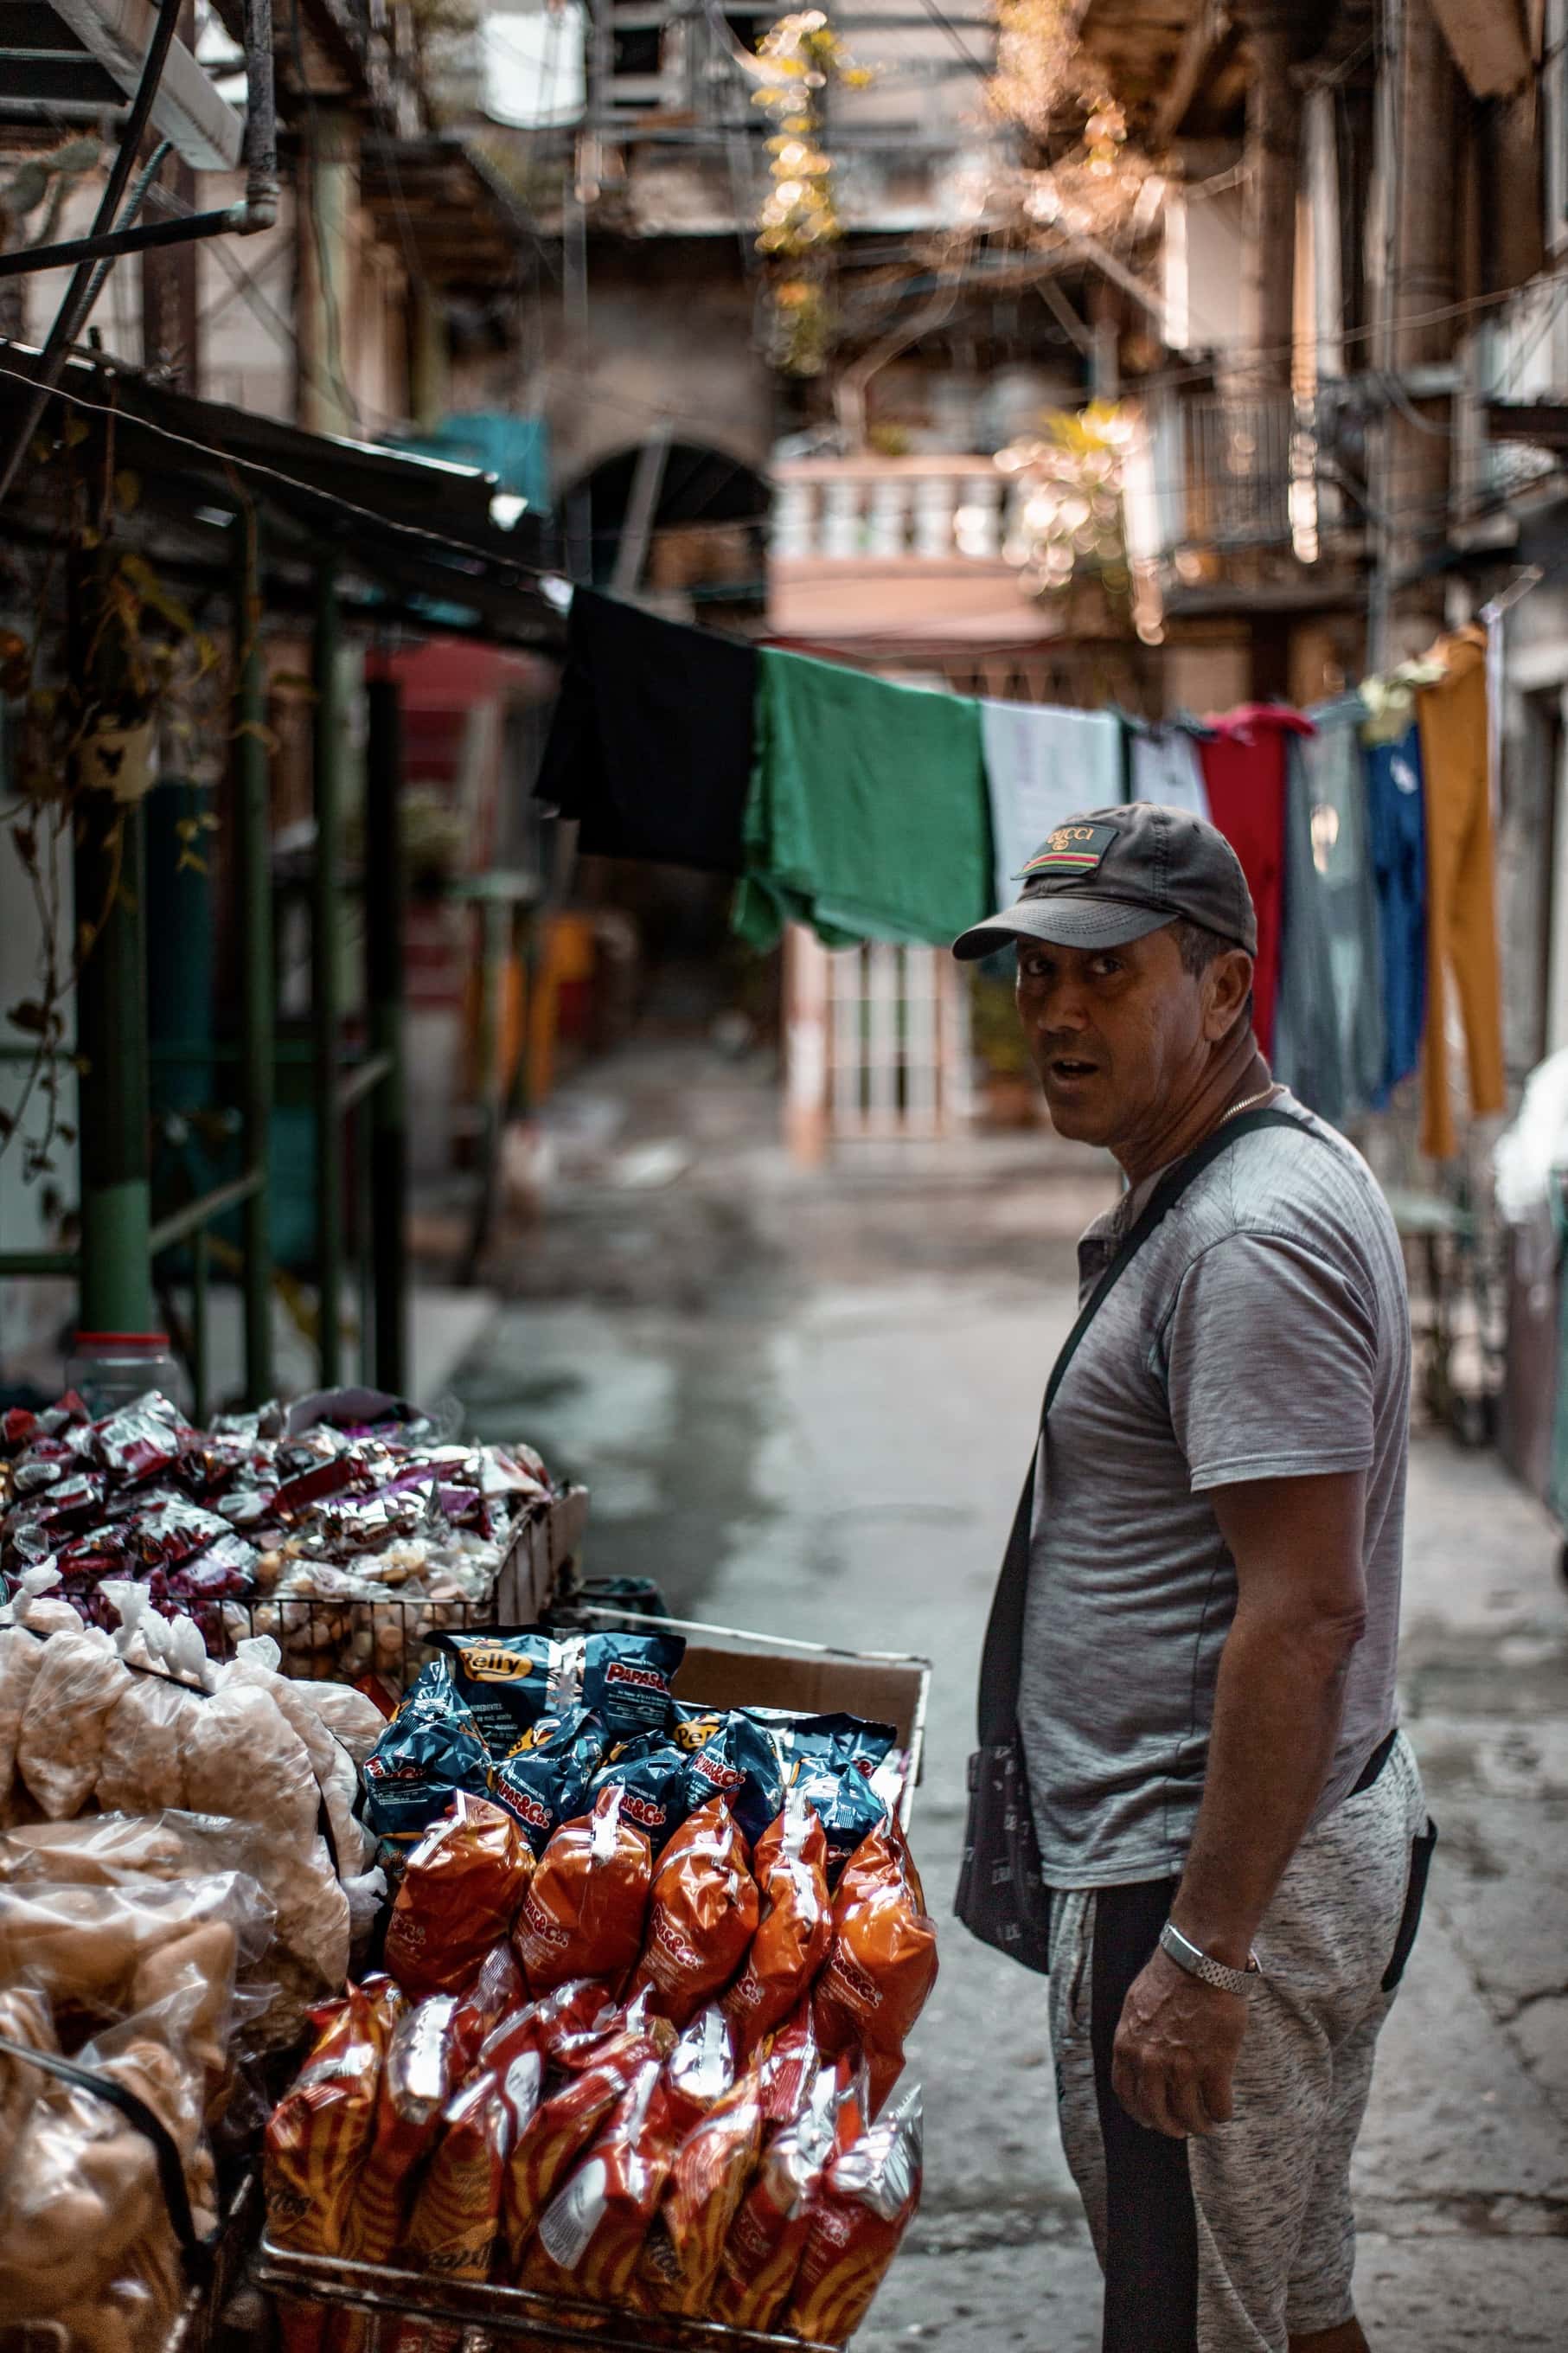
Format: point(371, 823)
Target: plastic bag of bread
point(460, 1894)
point(138, 2310)
point(94, 1947)
point(25, 2020)
point(702, 1914)
point(244, 1759)
point(21, 1656)
point(422, 2071)
point(105, 1849)
point(584, 1913)
point(41, 1607)
point(321, 2129)
point(561, 2130)
point(336, 1776)
point(84, 2189)
point(144, 1742)
point(59, 1746)
point(763, 2253)
point(789, 1866)
point(355, 1723)
point(883, 1962)
point(868, 2197)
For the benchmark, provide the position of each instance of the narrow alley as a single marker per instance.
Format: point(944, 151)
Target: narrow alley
point(804, 1405)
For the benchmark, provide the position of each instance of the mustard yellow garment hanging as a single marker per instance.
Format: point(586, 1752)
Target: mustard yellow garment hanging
point(1461, 912)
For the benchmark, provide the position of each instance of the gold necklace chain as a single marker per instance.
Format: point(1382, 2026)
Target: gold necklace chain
point(1249, 1103)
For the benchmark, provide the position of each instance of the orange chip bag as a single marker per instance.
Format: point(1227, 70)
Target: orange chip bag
point(459, 1895)
point(769, 2236)
point(455, 2228)
point(583, 1915)
point(710, 2175)
point(789, 2067)
point(496, 1993)
point(591, 2235)
point(564, 2126)
point(423, 2069)
point(703, 1915)
point(883, 1962)
point(867, 2199)
point(796, 1928)
point(321, 2127)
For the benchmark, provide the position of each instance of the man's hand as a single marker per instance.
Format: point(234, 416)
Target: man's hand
point(1176, 2050)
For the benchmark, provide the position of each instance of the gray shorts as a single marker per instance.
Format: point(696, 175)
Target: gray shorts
point(1231, 2244)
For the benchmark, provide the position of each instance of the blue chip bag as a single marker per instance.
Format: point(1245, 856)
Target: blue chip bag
point(627, 1678)
point(429, 1750)
point(839, 1738)
point(730, 1756)
point(507, 1677)
point(652, 1775)
point(844, 1803)
point(546, 1778)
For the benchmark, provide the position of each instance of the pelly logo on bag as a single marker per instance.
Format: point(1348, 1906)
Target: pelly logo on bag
point(494, 1664)
point(1071, 850)
point(698, 1731)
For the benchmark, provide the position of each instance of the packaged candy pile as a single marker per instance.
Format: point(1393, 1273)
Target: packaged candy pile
point(293, 1524)
point(647, 2058)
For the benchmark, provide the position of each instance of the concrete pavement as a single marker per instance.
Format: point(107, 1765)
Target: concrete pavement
point(805, 1405)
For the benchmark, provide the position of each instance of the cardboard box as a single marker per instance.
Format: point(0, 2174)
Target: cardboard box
point(725, 1667)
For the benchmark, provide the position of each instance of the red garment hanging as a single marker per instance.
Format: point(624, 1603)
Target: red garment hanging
point(1244, 773)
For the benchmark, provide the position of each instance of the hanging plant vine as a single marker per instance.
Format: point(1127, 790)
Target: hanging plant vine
point(801, 59)
point(90, 723)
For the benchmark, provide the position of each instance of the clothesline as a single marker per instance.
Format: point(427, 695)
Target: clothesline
point(872, 810)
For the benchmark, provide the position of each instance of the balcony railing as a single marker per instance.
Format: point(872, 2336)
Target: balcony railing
point(1219, 476)
point(936, 509)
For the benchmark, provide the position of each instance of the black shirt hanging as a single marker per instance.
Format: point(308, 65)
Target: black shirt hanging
point(650, 748)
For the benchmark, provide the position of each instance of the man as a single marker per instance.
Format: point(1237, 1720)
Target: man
point(1230, 1825)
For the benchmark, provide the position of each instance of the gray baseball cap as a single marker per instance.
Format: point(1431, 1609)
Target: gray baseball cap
point(1113, 874)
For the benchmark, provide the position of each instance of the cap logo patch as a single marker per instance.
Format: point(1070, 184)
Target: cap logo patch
point(1071, 850)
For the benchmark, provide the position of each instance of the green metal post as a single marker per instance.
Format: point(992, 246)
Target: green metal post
point(326, 1012)
point(116, 1286)
point(384, 1136)
point(253, 803)
point(112, 1038)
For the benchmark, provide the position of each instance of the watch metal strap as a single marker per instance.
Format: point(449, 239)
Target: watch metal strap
point(1198, 1964)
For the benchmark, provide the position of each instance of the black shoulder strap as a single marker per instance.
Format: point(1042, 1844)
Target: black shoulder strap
point(1001, 1660)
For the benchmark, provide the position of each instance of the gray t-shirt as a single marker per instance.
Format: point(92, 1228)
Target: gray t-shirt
point(1261, 1333)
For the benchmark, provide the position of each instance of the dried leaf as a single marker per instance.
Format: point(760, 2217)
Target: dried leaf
point(128, 490)
point(31, 1017)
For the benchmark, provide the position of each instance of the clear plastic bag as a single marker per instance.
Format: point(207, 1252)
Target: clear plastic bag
point(59, 1746)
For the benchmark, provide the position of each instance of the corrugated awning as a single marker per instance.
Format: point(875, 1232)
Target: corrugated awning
point(416, 532)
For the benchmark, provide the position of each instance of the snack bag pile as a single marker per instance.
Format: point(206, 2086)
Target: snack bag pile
point(260, 1525)
point(640, 2058)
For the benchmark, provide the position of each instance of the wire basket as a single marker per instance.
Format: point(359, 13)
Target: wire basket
point(405, 2310)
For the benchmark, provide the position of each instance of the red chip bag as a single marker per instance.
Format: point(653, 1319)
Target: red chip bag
point(322, 2127)
point(567, 2122)
point(460, 1894)
point(455, 2228)
point(796, 1928)
point(710, 2175)
point(591, 2233)
point(763, 2253)
point(867, 2199)
point(703, 1915)
point(421, 2073)
point(883, 1962)
point(497, 1992)
point(789, 2068)
point(583, 1915)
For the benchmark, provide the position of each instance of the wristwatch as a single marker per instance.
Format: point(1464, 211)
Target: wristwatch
point(1198, 1963)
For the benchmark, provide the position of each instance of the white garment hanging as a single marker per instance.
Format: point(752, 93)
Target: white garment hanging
point(1166, 768)
point(1044, 766)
